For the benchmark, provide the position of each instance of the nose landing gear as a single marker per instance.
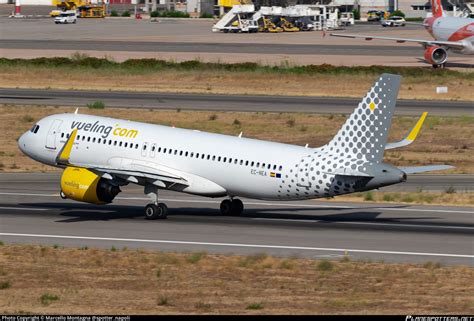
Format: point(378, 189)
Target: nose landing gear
point(232, 207)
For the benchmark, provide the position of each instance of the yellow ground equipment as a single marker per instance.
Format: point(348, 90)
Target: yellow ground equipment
point(92, 11)
point(85, 7)
point(269, 26)
point(288, 26)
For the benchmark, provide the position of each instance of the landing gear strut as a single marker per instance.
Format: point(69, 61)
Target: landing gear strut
point(155, 210)
point(233, 207)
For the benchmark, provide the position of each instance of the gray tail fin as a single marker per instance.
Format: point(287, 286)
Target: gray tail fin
point(364, 134)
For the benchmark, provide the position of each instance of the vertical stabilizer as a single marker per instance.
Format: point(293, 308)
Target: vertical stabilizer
point(437, 8)
point(364, 134)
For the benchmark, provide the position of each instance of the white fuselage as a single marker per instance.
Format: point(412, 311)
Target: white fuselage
point(448, 28)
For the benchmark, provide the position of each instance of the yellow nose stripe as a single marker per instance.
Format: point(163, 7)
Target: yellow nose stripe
point(372, 106)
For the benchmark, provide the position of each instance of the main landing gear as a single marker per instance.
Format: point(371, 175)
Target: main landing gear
point(155, 210)
point(233, 207)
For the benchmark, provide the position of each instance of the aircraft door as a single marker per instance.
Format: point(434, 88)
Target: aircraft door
point(51, 137)
point(303, 171)
point(144, 149)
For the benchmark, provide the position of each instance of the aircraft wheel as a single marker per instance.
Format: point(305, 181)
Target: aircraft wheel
point(226, 207)
point(63, 196)
point(154, 212)
point(237, 207)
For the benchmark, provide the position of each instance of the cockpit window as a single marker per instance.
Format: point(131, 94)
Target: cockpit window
point(35, 128)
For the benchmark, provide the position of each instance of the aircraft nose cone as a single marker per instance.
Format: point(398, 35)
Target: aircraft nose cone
point(22, 143)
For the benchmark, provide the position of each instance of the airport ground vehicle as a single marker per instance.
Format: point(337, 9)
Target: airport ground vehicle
point(449, 33)
point(347, 18)
point(269, 26)
point(374, 15)
point(394, 21)
point(66, 17)
point(85, 8)
point(286, 25)
point(100, 155)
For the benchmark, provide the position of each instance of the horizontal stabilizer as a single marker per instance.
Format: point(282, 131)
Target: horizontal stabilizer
point(411, 136)
point(347, 172)
point(422, 169)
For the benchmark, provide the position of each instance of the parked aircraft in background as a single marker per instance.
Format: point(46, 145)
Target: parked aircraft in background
point(449, 33)
point(99, 155)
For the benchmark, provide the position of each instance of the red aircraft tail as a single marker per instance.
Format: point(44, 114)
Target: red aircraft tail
point(436, 8)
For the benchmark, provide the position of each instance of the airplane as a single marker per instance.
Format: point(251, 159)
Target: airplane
point(449, 33)
point(99, 155)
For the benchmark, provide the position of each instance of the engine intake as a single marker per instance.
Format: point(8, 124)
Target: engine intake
point(436, 55)
point(83, 185)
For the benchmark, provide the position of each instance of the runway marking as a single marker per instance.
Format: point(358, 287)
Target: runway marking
point(365, 223)
point(265, 246)
point(289, 204)
point(23, 208)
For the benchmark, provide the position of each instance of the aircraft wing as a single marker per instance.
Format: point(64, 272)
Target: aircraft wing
point(450, 44)
point(411, 136)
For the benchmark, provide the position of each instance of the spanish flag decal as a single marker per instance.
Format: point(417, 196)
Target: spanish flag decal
point(276, 175)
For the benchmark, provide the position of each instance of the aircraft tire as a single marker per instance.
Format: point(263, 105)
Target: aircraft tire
point(226, 207)
point(237, 207)
point(154, 212)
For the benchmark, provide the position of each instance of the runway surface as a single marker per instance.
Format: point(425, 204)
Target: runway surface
point(222, 102)
point(32, 212)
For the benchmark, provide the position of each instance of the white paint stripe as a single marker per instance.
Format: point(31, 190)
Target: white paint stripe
point(289, 204)
point(23, 208)
point(366, 223)
point(282, 247)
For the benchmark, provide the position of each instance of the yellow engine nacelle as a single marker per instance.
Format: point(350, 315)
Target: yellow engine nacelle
point(82, 185)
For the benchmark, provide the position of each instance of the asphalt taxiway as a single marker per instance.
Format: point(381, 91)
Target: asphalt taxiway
point(32, 212)
point(245, 103)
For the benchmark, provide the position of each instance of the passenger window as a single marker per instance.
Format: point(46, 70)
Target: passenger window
point(88, 139)
point(186, 154)
point(208, 157)
point(125, 145)
point(83, 138)
point(241, 162)
point(170, 151)
point(153, 148)
point(280, 168)
point(98, 140)
point(269, 166)
point(251, 164)
point(136, 146)
point(197, 155)
point(67, 135)
point(36, 129)
point(235, 161)
point(176, 152)
point(120, 144)
point(192, 154)
point(115, 143)
point(246, 163)
point(93, 140)
point(62, 135)
point(202, 156)
point(258, 164)
point(78, 137)
point(180, 153)
point(274, 167)
point(219, 159)
point(225, 159)
point(214, 158)
point(164, 150)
